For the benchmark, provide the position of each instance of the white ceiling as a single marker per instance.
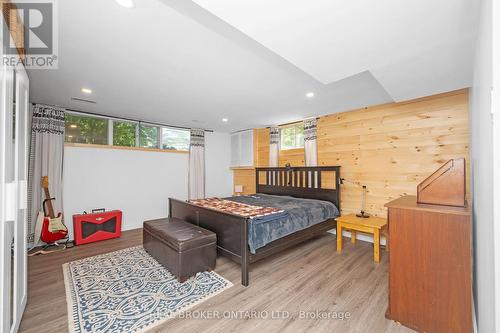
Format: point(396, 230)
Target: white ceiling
point(175, 62)
point(334, 39)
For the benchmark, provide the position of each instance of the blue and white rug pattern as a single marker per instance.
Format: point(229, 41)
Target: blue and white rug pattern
point(129, 291)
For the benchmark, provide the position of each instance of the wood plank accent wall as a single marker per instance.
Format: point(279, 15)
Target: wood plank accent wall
point(261, 137)
point(296, 157)
point(389, 148)
point(245, 177)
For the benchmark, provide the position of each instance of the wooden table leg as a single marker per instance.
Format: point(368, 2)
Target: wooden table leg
point(353, 236)
point(376, 245)
point(339, 237)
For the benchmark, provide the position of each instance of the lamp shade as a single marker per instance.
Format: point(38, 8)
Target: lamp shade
point(238, 188)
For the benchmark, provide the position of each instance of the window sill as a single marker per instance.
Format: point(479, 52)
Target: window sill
point(242, 168)
point(156, 150)
point(292, 150)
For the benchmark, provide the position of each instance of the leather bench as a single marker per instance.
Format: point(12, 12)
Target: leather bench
point(181, 247)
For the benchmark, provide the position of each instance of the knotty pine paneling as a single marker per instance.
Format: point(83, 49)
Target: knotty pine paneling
point(295, 157)
point(261, 150)
point(389, 148)
point(246, 178)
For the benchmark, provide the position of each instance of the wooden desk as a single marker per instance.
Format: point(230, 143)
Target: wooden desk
point(371, 225)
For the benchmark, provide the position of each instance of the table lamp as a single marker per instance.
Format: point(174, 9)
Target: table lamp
point(362, 213)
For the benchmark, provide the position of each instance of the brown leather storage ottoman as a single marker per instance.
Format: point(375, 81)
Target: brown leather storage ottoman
point(183, 248)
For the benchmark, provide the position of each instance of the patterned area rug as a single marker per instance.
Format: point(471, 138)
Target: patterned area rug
point(129, 291)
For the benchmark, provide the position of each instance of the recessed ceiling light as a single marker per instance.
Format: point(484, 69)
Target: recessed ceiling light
point(73, 126)
point(225, 120)
point(310, 95)
point(87, 91)
point(126, 3)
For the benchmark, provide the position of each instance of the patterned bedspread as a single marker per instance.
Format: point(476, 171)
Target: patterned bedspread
point(273, 216)
point(237, 208)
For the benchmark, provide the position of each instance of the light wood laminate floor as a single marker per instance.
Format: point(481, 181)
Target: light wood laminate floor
point(311, 277)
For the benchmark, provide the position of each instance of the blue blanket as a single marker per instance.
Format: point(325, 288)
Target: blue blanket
point(299, 214)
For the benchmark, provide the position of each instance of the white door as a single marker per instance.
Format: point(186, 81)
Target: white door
point(20, 227)
point(495, 110)
point(13, 195)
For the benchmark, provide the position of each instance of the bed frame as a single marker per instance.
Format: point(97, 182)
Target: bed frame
point(232, 230)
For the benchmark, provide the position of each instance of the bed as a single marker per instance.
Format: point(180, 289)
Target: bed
point(314, 190)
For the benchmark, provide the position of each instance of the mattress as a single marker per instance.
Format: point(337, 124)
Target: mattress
point(300, 214)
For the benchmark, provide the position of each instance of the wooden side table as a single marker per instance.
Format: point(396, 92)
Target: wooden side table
point(372, 225)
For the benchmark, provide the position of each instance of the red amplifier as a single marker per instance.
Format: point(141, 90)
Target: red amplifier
point(95, 227)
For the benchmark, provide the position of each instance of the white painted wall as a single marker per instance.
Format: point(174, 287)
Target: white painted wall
point(138, 182)
point(481, 122)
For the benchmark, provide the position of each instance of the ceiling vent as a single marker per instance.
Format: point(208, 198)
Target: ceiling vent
point(83, 100)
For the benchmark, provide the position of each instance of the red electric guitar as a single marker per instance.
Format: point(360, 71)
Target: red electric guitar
point(53, 227)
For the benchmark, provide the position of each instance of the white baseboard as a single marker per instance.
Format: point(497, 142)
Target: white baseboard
point(359, 236)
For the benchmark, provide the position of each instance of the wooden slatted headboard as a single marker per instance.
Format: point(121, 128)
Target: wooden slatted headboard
point(321, 183)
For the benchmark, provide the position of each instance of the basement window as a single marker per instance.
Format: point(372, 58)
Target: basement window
point(292, 136)
point(149, 136)
point(124, 133)
point(97, 130)
point(174, 139)
point(83, 129)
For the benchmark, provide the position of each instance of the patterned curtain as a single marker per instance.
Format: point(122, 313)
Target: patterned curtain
point(274, 148)
point(310, 142)
point(46, 159)
point(197, 165)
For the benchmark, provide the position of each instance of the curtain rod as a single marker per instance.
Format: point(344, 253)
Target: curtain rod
point(294, 122)
point(123, 118)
